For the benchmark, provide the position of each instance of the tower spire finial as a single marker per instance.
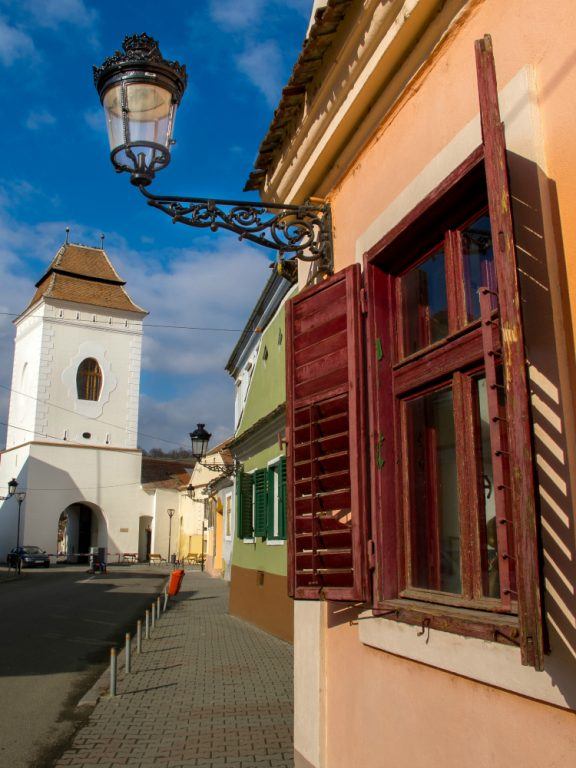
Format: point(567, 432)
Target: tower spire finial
point(102, 240)
point(67, 235)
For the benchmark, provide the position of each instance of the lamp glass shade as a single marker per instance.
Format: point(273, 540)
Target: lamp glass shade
point(12, 485)
point(200, 439)
point(148, 117)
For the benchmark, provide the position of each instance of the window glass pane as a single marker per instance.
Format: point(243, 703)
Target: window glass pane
point(89, 379)
point(489, 559)
point(434, 521)
point(478, 264)
point(424, 303)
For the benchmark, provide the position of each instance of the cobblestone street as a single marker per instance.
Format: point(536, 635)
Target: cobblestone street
point(208, 690)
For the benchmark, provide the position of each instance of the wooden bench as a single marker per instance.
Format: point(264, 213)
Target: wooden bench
point(156, 559)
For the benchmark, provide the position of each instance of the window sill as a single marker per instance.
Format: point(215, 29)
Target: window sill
point(248, 541)
point(276, 542)
point(483, 625)
point(485, 661)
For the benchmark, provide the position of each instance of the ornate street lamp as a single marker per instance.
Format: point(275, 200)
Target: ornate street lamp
point(12, 485)
point(140, 92)
point(200, 439)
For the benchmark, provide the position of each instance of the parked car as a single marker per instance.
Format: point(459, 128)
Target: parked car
point(29, 556)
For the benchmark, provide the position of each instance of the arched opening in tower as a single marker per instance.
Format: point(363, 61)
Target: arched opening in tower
point(80, 528)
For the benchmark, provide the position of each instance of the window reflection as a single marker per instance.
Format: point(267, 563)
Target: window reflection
point(433, 482)
point(424, 303)
point(478, 264)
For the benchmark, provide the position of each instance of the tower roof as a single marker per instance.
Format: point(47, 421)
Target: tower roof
point(84, 275)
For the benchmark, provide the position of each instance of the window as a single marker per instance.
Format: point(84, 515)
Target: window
point(261, 502)
point(451, 542)
point(89, 379)
point(444, 402)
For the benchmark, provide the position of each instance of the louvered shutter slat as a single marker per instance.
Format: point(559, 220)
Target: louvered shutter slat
point(260, 502)
point(270, 504)
point(244, 505)
point(282, 498)
point(326, 438)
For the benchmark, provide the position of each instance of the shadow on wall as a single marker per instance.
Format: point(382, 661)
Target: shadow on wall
point(552, 379)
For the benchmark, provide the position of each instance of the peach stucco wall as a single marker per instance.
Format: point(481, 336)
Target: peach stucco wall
point(382, 710)
point(443, 99)
point(388, 712)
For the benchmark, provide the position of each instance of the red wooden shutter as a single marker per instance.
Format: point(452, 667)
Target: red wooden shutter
point(326, 470)
point(522, 497)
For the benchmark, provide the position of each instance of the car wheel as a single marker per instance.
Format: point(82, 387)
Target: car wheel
point(47, 564)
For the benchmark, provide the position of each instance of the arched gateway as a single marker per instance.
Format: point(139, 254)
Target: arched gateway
point(80, 527)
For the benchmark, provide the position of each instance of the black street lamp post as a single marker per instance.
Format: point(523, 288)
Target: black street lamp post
point(170, 515)
point(20, 496)
point(140, 92)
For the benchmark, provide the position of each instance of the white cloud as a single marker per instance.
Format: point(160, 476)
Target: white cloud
point(14, 43)
point(262, 65)
point(39, 118)
point(234, 15)
point(53, 13)
point(94, 118)
point(173, 419)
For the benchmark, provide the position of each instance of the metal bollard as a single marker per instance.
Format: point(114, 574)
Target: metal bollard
point(112, 672)
point(165, 600)
point(153, 615)
point(147, 627)
point(158, 607)
point(139, 636)
point(127, 653)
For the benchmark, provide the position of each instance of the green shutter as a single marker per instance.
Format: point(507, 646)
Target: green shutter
point(282, 498)
point(270, 503)
point(260, 477)
point(244, 505)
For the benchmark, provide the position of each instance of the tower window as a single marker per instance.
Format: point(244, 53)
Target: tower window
point(89, 379)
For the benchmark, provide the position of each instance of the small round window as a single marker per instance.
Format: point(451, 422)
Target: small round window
point(89, 379)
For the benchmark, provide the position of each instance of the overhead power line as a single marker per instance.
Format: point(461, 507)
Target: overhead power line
point(127, 323)
point(69, 410)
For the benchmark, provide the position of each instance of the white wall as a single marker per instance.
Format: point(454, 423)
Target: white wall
point(57, 475)
point(25, 377)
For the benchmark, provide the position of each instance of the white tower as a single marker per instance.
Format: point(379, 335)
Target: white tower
point(73, 415)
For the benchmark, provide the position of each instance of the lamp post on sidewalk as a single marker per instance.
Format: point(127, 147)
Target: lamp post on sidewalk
point(20, 496)
point(170, 515)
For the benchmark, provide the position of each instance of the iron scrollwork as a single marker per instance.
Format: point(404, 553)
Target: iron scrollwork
point(302, 230)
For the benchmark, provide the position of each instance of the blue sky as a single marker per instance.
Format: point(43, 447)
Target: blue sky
point(55, 173)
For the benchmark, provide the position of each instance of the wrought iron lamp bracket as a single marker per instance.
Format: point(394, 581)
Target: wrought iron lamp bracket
point(304, 231)
point(225, 470)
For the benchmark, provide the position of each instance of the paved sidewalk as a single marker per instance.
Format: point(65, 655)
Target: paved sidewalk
point(208, 691)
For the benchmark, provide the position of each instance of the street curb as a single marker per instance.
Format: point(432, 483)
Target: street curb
point(102, 685)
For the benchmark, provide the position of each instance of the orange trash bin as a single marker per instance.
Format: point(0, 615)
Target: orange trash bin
point(175, 582)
